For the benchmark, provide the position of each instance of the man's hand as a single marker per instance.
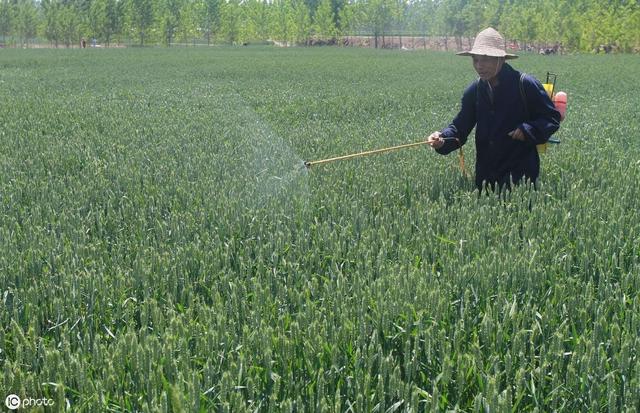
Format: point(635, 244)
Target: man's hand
point(517, 134)
point(435, 140)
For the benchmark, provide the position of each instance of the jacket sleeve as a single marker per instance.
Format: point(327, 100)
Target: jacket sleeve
point(544, 118)
point(463, 123)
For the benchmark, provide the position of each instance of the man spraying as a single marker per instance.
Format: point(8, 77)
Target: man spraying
point(511, 112)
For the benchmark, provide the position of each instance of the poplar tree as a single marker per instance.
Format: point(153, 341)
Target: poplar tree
point(324, 21)
point(140, 18)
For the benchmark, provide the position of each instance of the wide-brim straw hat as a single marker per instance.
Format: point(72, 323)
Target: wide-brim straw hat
point(488, 43)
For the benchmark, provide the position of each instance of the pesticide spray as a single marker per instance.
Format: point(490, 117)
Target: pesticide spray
point(257, 168)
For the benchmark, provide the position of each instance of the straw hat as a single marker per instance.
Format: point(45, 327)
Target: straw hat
point(489, 43)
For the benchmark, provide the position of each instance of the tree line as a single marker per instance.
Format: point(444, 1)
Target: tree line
point(572, 25)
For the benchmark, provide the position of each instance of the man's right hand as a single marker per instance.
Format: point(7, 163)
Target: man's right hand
point(435, 140)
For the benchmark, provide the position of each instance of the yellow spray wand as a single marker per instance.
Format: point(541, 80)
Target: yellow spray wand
point(309, 164)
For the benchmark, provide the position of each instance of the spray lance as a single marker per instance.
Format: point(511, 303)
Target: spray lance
point(309, 164)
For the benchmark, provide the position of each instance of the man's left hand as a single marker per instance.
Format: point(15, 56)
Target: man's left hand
point(517, 134)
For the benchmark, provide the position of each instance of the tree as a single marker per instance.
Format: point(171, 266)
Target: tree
point(474, 17)
point(282, 22)
point(188, 23)
point(442, 23)
point(98, 18)
point(376, 17)
point(455, 19)
point(312, 6)
point(209, 12)
point(569, 29)
point(300, 15)
point(26, 21)
point(511, 22)
point(230, 22)
point(614, 27)
point(167, 19)
point(51, 25)
point(421, 18)
point(105, 19)
point(140, 18)
point(399, 13)
point(583, 25)
point(491, 12)
point(258, 16)
point(324, 21)
point(633, 20)
point(336, 7)
point(347, 18)
point(69, 22)
point(6, 19)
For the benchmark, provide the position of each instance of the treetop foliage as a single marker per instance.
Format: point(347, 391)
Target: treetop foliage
point(568, 25)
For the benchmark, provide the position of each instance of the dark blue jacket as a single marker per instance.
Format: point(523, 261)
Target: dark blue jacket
point(501, 159)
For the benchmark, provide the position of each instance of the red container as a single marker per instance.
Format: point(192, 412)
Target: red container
point(560, 101)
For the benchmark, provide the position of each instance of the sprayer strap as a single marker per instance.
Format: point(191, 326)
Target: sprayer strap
point(524, 96)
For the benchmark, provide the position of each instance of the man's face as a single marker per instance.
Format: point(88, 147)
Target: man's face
point(487, 67)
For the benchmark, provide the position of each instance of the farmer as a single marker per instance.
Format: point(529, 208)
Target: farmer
point(507, 128)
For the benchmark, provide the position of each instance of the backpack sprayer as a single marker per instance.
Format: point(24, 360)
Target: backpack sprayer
point(559, 100)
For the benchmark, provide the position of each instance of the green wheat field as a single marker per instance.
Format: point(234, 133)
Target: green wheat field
point(162, 247)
